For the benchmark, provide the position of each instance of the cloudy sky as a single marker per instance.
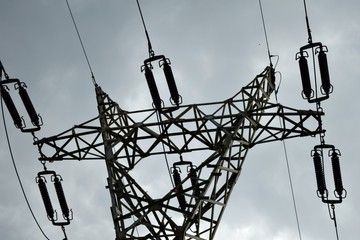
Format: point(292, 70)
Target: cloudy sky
point(216, 47)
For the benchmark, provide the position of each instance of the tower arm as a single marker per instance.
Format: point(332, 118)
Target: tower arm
point(141, 139)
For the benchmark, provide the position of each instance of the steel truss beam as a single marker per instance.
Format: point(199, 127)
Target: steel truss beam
point(221, 133)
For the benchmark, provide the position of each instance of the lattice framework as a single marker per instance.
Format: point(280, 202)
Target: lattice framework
point(220, 132)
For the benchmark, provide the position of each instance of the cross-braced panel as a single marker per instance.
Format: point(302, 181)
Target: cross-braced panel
point(204, 146)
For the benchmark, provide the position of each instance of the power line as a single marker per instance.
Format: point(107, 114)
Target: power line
point(81, 42)
point(16, 171)
point(290, 178)
point(307, 23)
point(284, 145)
point(266, 37)
point(292, 189)
point(151, 52)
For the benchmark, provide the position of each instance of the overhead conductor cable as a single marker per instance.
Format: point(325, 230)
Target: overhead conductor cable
point(151, 52)
point(82, 44)
point(272, 75)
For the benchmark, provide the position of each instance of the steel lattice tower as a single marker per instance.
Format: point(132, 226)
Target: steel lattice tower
point(209, 143)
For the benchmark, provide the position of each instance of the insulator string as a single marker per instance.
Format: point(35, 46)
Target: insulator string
point(17, 173)
point(82, 44)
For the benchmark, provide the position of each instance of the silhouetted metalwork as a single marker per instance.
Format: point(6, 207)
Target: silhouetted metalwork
point(339, 189)
point(175, 97)
point(324, 70)
point(28, 104)
point(319, 163)
point(164, 62)
point(61, 197)
point(179, 188)
point(319, 173)
point(152, 86)
point(221, 132)
point(317, 95)
point(305, 77)
point(51, 213)
point(46, 198)
point(325, 88)
point(19, 122)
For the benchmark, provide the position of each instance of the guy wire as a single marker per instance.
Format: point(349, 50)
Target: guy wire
point(82, 44)
point(17, 172)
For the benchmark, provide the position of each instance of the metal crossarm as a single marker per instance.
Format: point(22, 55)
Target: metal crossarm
point(220, 132)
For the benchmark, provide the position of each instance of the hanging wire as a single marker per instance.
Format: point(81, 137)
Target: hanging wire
point(63, 229)
point(307, 23)
point(82, 44)
point(290, 178)
point(333, 217)
point(281, 125)
point(151, 52)
point(266, 37)
point(158, 116)
point(16, 171)
point(291, 188)
point(312, 50)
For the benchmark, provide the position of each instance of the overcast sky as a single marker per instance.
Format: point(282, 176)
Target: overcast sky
point(215, 47)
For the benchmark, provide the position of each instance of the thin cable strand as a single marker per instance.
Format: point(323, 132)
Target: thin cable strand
point(16, 171)
point(81, 42)
point(333, 217)
point(307, 23)
point(266, 37)
point(151, 52)
point(158, 116)
point(290, 179)
point(292, 189)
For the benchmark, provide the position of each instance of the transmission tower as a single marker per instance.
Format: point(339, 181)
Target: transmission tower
point(204, 145)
